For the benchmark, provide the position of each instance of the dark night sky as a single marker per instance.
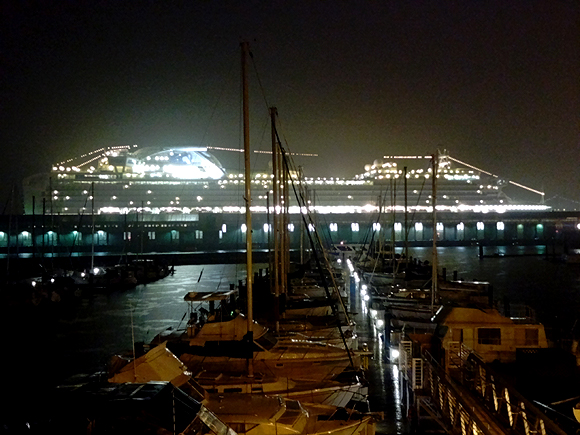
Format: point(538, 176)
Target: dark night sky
point(494, 82)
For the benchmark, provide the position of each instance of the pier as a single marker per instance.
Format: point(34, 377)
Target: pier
point(208, 232)
point(453, 393)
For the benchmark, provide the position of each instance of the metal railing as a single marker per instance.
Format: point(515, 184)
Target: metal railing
point(482, 403)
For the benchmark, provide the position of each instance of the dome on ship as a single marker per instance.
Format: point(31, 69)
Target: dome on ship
point(183, 163)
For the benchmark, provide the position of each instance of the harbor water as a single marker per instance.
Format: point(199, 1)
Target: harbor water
point(44, 347)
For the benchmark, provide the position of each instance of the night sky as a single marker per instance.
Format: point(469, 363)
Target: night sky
point(494, 82)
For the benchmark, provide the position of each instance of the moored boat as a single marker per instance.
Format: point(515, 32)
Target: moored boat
point(248, 413)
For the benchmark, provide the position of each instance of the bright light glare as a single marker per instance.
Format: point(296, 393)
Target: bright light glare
point(350, 266)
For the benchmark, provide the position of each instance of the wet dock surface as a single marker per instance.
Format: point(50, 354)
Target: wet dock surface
point(382, 374)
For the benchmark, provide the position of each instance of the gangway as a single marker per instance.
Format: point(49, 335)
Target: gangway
point(479, 404)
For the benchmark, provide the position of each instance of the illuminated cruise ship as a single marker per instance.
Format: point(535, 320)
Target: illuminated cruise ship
point(191, 180)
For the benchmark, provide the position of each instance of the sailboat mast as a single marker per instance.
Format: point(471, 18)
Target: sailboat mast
point(406, 215)
point(248, 199)
point(285, 253)
point(434, 274)
point(394, 266)
point(92, 226)
point(276, 215)
point(302, 227)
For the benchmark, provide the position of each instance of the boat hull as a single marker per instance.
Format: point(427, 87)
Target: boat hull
point(309, 369)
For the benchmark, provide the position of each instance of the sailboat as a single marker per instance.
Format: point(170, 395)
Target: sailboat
point(251, 411)
point(215, 340)
point(381, 265)
point(310, 300)
point(237, 343)
point(157, 401)
point(415, 307)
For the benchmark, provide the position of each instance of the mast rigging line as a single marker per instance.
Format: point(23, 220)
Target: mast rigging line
point(413, 214)
point(323, 277)
point(259, 80)
point(314, 250)
point(496, 176)
point(217, 103)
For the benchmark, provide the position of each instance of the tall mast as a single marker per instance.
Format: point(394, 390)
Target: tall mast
point(302, 227)
point(285, 248)
point(51, 226)
point(276, 271)
point(276, 203)
point(406, 223)
point(92, 226)
point(394, 266)
point(434, 274)
point(248, 199)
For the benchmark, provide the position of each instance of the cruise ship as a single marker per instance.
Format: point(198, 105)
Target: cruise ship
point(191, 180)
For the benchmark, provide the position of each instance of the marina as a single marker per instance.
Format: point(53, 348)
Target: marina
point(52, 346)
point(290, 218)
point(370, 340)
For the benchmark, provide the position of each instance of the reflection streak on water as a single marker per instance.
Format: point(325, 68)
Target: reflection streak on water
point(101, 325)
point(397, 398)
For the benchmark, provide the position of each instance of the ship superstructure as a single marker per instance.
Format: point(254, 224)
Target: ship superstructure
point(191, 180)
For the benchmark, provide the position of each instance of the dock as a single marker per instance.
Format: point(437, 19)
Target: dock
point(418, 395)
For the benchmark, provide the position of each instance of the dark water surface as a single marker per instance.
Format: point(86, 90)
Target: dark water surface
point(43, 347)
point(523, 275)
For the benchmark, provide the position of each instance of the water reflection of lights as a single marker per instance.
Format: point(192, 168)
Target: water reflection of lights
point(364, 308)
point(397, 398)
point(350, 266)
point(378, 323)
point(363, 292)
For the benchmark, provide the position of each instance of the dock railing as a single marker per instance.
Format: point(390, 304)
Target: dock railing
point(510, 407)
point(482, 403)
